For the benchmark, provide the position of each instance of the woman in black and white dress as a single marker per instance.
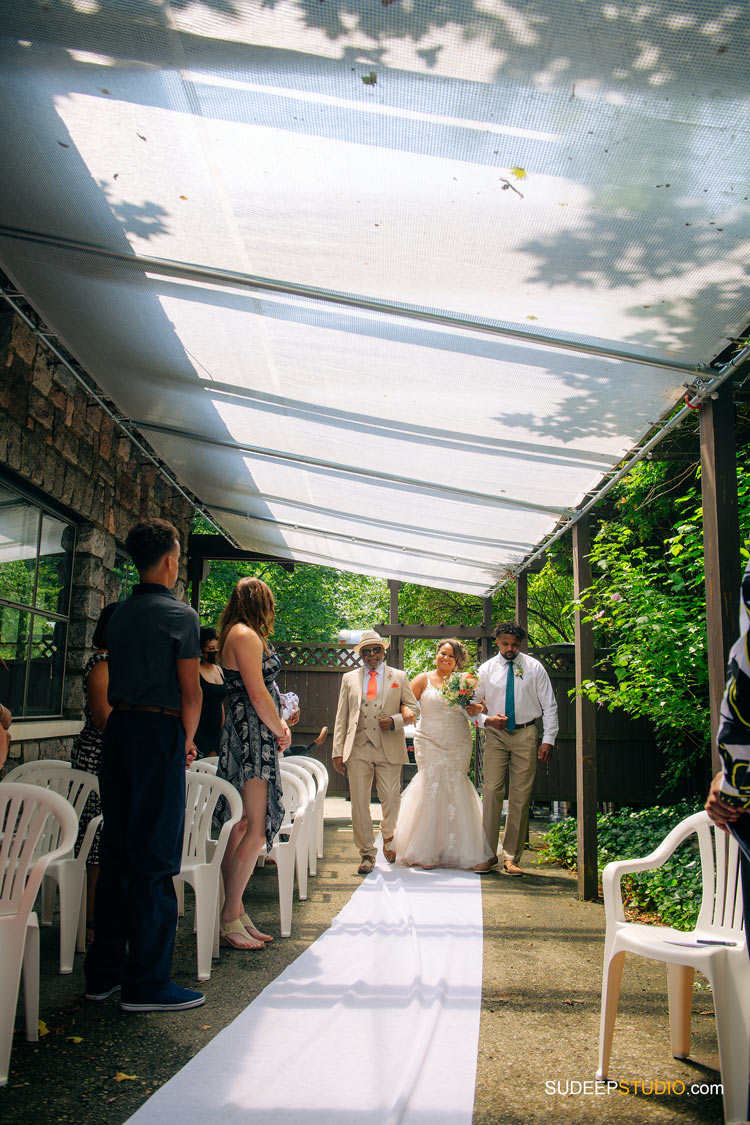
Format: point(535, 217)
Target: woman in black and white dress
point(253, 738)
point(87, 748)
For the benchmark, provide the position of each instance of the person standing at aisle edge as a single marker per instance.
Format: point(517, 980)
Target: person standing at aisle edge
point(728, 800)
point(5, 718)
point(516, 690)
point(368, 739)
point(155, 694)
point(211, 722)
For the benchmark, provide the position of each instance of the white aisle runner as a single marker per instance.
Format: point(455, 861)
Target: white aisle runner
point(377, 1021)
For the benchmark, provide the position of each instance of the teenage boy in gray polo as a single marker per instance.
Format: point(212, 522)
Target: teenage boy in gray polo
point(154, 690)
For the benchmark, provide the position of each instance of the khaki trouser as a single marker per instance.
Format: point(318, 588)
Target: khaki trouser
point(364, 761)
point(516, 755)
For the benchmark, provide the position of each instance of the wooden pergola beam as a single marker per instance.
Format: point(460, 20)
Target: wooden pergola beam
point(396, 652)
point(721, 541)
point(522, 600)
point(588, 876)
point(485, 643)
point(473, 632)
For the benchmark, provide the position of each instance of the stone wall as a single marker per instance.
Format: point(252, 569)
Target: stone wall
point(55, 438)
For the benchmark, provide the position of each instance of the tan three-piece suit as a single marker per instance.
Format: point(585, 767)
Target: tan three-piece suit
point(368, 750)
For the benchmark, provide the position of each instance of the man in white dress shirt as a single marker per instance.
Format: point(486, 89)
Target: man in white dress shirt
point(515, 690)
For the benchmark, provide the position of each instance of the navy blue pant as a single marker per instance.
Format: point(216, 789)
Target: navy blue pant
point(740, 829)
point(142, 784)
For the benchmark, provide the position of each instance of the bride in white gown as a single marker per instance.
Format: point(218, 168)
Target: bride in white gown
point(440, 820)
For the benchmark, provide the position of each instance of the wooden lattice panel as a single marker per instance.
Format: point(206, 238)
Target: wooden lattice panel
point(300, 655)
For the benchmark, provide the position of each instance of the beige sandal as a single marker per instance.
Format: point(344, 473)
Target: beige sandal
point(228, 931)
point(252, 929)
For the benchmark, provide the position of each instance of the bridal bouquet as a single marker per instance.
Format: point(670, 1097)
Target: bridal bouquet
point(459, 687)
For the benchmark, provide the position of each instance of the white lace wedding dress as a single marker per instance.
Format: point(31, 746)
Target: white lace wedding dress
point(440, 820)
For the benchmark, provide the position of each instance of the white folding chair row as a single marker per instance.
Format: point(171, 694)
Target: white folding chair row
point(25, 815)
point(200, 765)
point(67, 871)
point(292, 847)
point(286, 848)
point(717, 946)
point(320, 773)
point(306, 840)
point(202, 856)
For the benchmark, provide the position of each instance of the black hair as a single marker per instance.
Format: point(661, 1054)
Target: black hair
point(99, 639)
point(207, 634)
point(149, 541)
point(510, 629)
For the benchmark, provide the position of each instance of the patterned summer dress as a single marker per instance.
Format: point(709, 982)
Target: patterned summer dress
point(86, 755)
point(248, 748)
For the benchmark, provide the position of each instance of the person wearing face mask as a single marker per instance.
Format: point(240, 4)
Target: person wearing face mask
point(208, 734)
point(516, 691)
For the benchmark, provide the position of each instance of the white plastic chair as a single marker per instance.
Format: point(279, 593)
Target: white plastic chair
point(284, 850)
point(320, 773)
point(725, 963)
point(202, 856)
point(69, 872)
point(25, 813)
point(307, 853)
point(200, 765)
point(205, 765)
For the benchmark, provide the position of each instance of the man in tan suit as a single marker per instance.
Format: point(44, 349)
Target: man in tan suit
point(369, 739)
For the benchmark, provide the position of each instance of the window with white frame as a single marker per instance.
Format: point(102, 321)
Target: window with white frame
point(36, 564)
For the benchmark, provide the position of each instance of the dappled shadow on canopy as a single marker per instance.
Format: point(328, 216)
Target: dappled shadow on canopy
point(573, 172)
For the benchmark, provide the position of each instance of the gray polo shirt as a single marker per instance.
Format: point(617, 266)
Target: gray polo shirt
point(146, 636)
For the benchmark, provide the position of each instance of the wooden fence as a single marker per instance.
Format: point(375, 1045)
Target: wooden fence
point(629, 762)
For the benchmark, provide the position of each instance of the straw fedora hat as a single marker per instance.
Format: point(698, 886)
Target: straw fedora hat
point(370, 637)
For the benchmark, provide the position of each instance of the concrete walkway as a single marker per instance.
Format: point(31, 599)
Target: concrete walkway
point(539, 1026)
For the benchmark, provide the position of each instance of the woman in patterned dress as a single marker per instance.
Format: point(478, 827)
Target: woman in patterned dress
point(87, 748)
point(254, 736)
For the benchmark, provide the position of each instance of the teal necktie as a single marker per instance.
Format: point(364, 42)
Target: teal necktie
point(510, 703)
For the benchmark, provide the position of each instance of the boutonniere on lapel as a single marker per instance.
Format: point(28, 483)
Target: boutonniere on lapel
point(518, 670)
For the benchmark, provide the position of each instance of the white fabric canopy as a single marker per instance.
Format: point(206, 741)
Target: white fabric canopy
point(574, 170)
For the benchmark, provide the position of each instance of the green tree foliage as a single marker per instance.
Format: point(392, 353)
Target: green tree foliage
point(549, 595)
point(312, 602)
point(647, 602)
point(17, 581)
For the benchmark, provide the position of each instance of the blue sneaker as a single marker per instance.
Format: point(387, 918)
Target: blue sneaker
point(171, 998)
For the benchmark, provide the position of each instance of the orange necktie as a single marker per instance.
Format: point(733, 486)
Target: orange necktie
point(372, 687)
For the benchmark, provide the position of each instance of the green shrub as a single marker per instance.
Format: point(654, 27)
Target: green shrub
point(671, 892)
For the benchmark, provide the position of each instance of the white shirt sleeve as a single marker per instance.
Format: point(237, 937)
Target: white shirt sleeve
point(548, 703)
point(479, 694)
